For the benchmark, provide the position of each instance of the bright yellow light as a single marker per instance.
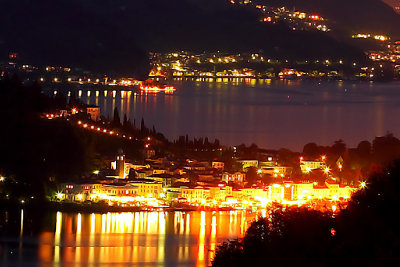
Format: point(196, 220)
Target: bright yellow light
point(60, 195)
point(96, 172)
point(326, 170)
point(79, 197)
point(308, 169)
point(363, 184)
point(259, 171)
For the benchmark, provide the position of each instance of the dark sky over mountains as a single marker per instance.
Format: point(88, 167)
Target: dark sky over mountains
point(115, 35)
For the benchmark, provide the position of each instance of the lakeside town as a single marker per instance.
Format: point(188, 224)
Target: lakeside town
point(381, 63)
point(227, 178)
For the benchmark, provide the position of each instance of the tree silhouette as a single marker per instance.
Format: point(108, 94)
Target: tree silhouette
point(116, 119)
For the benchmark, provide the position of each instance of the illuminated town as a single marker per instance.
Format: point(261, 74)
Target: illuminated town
point(159, 187)
point(219, 133)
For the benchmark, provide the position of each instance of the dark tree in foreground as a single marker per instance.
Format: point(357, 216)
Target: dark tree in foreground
point(366, 234)
point(287, 238)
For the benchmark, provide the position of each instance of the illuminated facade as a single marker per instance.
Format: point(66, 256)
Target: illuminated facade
point(93, 112)
point(236, 177)
point(114, 193)
point(309, 165)
point(218, 165)
point(249, 163)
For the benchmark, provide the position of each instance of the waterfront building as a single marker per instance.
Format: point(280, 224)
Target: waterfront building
point(93, 112)
point(148, 188)
point(80, 192)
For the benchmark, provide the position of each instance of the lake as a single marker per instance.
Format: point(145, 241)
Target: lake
point(271, 114)
point(116, 239)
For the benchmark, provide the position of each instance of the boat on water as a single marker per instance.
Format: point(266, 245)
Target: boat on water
point(150, 87)
point(157, 89)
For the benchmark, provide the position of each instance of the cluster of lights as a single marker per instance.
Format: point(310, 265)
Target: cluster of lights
point(148, 201)
point(52, 116)
point(101, 130)
point(378, 37)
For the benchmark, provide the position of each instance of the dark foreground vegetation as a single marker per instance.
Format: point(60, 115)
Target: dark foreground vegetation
point(365, 234)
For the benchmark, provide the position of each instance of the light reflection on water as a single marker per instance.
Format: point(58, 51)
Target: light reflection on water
point(263, 112)
point(136, 239)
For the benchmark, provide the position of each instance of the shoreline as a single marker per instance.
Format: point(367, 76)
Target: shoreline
point(69, 207)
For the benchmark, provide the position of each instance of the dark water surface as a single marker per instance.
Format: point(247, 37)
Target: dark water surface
point(272, 114)
point(116, 239)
